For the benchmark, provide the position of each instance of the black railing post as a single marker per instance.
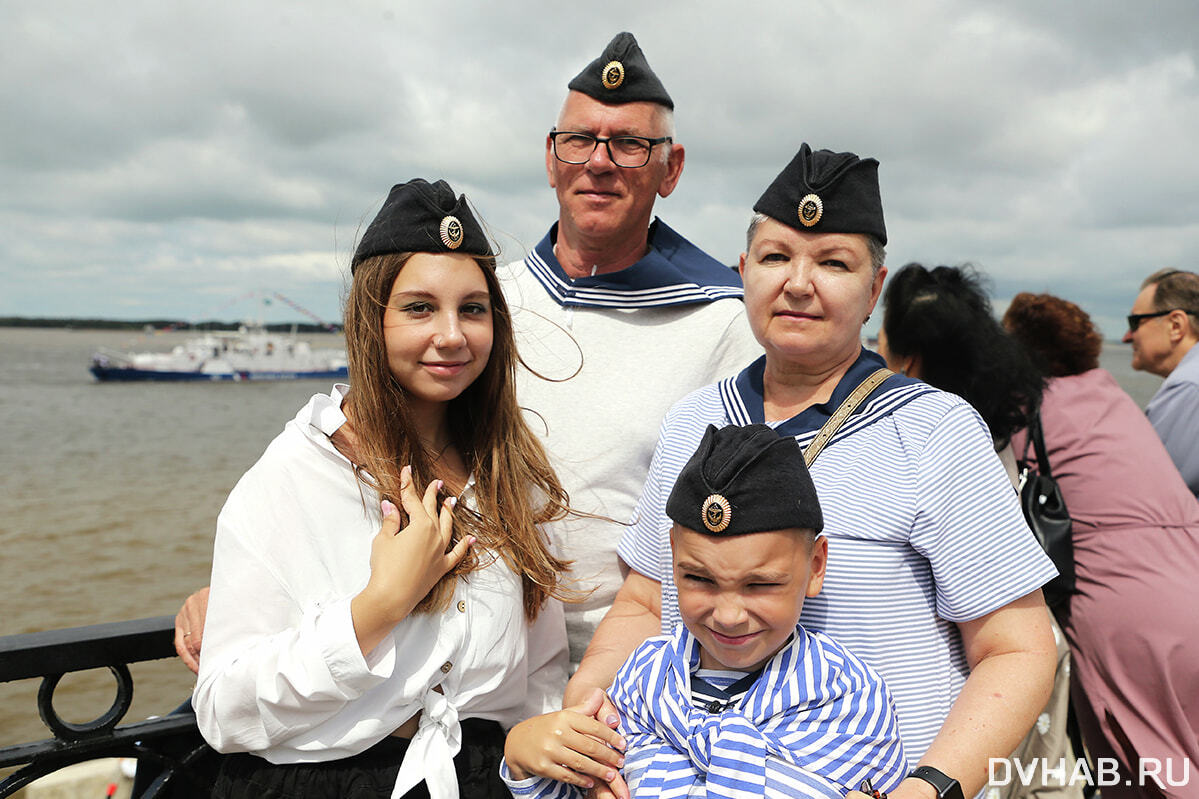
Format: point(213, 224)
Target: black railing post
point(171, 743)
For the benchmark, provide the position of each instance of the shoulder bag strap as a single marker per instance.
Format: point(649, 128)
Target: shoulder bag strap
point(842, 413)
point(1038, 442)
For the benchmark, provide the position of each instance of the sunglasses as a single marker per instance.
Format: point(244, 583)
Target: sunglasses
point(1135, 319)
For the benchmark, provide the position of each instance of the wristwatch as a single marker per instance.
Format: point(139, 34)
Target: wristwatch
point(947, 787)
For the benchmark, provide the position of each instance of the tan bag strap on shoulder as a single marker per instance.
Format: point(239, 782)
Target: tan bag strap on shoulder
point(842, 413)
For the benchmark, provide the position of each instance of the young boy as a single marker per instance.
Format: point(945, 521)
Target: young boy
point(740, 700)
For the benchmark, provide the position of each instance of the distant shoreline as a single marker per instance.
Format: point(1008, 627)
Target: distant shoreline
point(73, 323)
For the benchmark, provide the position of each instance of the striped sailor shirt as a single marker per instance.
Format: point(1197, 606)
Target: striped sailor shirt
point(815, 722)
point(924, 528)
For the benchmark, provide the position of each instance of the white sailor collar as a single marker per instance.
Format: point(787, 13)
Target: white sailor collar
point(673, 272)
point(742, 398)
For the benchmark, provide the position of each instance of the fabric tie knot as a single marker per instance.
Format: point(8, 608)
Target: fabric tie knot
point(430, 756)
point(729, 750)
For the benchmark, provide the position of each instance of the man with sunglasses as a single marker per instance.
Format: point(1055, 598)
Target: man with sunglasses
point(1163, 329)
point(624, 313)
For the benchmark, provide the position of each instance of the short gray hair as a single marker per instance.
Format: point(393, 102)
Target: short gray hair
point(664, 126)
point(878, 253)
point(1176, 289)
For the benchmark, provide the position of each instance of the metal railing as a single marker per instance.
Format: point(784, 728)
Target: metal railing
point(171, 745)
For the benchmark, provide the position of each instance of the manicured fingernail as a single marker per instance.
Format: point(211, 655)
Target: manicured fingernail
point(612, 719)
point(387, 507)
point(440, 484)
point(405, 474)
point(451, 501)
point(621, 743)
point(620, 761)
point(610, 775)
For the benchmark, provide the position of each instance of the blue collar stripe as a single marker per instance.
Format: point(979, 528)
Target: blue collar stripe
point(742, 397)
point(737, 412)
point(673, 272)
point(567, 293)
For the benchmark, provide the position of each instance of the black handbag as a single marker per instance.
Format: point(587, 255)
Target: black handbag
point(1046, 513)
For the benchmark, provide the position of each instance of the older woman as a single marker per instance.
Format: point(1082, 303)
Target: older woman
point(933, 577)
point(1131, 621)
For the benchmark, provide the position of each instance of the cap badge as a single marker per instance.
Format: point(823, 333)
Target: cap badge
point(451, 232)
point(811, 208)
point(717, 513)
point(613, 75)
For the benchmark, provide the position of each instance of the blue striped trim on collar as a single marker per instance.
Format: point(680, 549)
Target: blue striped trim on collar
point(673, 272)
point(742, 399)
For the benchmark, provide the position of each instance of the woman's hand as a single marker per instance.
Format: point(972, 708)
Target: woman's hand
point(189, 628)
point(406, 564)
point(570, 746)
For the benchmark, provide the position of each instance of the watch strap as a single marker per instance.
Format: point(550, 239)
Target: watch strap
point(947, 787)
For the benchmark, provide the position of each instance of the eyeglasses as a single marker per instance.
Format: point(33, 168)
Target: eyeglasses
point(1135, 319)
point(630, 152)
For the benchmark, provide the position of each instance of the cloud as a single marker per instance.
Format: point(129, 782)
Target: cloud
point(166, 153)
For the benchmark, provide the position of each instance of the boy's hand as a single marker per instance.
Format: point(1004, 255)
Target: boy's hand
point(570, 746)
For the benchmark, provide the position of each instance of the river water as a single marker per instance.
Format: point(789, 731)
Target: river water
point(109, 494)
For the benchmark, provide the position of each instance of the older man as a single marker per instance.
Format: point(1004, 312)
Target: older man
point(617, 316)
point(1163, 329)
point(622, 314)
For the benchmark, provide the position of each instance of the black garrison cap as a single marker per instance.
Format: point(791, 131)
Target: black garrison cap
point(420, 216)
point(621, 75)
point(826, 192)
point(745, 480)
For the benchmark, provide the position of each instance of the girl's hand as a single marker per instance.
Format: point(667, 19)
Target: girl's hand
point(406, 564)
point(409, 562)
point(570, 746)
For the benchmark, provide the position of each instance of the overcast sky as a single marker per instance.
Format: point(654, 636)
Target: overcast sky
point(164, 159)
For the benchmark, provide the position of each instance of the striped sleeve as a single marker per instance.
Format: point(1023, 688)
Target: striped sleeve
point(968, 520)
point(537, 787)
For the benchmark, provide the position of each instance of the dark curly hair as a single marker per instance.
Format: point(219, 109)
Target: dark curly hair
point(1060, 336)
point(944, 317)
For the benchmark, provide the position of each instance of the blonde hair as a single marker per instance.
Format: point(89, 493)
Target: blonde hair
point(516, 490)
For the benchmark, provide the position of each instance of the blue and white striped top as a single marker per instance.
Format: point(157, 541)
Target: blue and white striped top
point(673, 272)
point(924, 528)
point(814, 723)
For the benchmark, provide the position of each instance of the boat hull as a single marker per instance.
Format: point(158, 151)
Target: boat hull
point(128, 374)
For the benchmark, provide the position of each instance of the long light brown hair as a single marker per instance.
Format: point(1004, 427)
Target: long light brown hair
point(515, 488)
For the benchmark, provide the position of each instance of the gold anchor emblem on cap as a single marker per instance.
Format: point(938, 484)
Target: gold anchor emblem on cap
point(613, 75)
point(811, 208)
point(718, 513)
point(451, 232)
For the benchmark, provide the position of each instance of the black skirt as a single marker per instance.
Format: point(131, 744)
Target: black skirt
point(368, 775)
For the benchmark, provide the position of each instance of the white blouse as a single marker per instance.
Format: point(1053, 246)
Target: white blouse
point(281, 672)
